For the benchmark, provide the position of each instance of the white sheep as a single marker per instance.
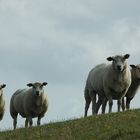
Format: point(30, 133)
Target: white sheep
point(2, 101)
point(29, 103)
point(135, 78)
point(109, 81)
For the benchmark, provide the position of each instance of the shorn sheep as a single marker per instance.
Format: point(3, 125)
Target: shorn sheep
point(135, 78)
point(29, 103)
point(109, 81)
point(2, 101)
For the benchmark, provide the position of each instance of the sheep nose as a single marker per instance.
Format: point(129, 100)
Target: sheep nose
point(119, 67)
point(37, 93)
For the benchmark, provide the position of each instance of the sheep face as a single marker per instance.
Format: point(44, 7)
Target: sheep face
point(136, 71)
point(37, 88)
point(1, 89)
point(119, 62)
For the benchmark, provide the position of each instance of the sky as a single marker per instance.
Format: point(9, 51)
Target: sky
point(59, 42)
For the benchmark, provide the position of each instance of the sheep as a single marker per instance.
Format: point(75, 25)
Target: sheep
point(29, 103)
point(135, 78)
point(2, 102)
point(109, 81)
point(135, 75)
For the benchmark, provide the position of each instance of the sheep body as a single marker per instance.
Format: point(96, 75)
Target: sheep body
point(109, 81)
point(28, 104)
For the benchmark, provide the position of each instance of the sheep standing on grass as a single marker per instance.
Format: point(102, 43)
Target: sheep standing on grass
point(109, 81)
point(2, 101)
point(29, 103)
point(135, 78)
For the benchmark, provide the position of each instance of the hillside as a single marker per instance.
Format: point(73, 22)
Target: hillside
point(114, 126)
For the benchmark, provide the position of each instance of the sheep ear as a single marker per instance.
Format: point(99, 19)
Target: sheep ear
point(3, 86)
point(133, 66)
point(44, 83)
point(110, 58)
point(30, 85)
point(126, 56)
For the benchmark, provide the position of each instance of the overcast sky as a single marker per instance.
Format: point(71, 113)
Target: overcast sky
point(59, 42)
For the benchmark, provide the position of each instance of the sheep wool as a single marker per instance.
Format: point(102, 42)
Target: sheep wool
point(29, 103)
point(108, 81)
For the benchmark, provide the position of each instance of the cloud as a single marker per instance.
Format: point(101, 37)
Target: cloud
point(59, 42)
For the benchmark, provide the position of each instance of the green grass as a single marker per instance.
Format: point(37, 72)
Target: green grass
point(114, 126)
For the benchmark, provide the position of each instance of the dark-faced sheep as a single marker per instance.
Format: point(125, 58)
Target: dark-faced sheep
point(109, 81)
point(29, 103)
point(2, 101)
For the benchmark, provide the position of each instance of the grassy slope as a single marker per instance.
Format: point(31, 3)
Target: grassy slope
point(115, 126)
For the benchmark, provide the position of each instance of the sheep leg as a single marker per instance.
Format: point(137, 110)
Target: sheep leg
point(87, 104)
point(128, 103)
point(104, 105)
point(26, 122)
point(119, 104)
point(99, 102)
point(93, 99)
point(109, 98)
point(123, 104)
point(30, 121)
point(15, 122)
point(110, 104)
point(38, 120)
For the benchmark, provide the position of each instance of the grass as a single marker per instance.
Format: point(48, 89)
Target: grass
point(114, 126)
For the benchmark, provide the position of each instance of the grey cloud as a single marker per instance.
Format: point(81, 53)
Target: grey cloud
point(59, 42)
